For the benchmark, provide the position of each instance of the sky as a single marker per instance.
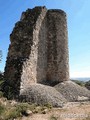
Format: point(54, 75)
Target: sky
point(78, 21)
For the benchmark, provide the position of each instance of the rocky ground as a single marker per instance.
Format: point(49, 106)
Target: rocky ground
point(12, 110)
point(65, 101)
point(71, 111)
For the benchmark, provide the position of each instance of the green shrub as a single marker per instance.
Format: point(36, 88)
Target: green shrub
point(1, 75)
point(48, 105)
point(14, 112)
point(1, 94)
point(22, 107)
point(18, 110)
point(53, 117)
point(81, 83)
point(2, 108)
point(11, 114)
point(1, 83)
point(87, 84)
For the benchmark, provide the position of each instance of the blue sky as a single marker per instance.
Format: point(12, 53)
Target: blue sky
point(78, 19)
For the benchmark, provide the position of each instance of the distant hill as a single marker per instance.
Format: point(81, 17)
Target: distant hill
point(81, 79)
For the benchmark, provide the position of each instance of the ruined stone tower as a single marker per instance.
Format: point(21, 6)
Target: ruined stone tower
point(38, 52)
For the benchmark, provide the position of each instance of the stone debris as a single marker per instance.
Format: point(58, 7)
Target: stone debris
point(29, 112)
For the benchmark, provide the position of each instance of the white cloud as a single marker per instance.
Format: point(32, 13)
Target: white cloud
point(80, 74)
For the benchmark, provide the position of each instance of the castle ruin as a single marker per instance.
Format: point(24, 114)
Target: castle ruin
point(38, 52)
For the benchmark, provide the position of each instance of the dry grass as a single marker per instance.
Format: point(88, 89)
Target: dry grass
point(71, 111)
point(10, 110)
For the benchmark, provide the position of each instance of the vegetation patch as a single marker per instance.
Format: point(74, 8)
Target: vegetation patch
point(10, 110)
point(81, 83)
point(53, 117)
point(2, 108)
point(87, 84)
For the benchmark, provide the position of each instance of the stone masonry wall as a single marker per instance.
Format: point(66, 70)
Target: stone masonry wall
point(57, 68)
point(33, 70)
point(21, 64)
point(38, 52)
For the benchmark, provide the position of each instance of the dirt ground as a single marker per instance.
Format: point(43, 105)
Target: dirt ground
point(71, 111)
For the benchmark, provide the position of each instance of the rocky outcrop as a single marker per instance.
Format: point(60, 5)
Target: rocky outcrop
point(73, 92)
point(41, 95)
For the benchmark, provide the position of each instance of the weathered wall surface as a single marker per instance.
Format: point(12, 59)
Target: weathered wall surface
point(33, 69)
point(21, 64)
point(38, 52)
point(57, 69)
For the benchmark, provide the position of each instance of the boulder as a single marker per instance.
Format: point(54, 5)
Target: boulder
point(41, 95)
point(72, 91)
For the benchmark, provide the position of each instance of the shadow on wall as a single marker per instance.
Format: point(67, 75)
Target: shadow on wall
point(45, 53)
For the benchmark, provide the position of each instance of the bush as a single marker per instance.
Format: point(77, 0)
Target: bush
point(21, 108)
point(87, 84)
point(14, 112)
point(2, 108)
point(48, 105)
point(11, 114)
point(1, 94)
point(1, 80)
point(81, 83)
point(53, 117)
point(1, 76)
